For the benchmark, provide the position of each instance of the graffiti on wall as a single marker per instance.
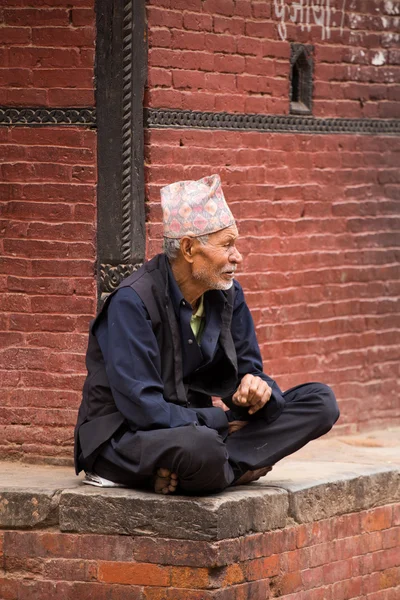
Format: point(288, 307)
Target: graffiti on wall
point(306, 13)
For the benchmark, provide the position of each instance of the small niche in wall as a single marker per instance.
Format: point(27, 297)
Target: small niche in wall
point(301, 79)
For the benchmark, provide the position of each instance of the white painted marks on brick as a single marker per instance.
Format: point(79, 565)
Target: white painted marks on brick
point(378, 59)
point(306, 13)
point(392, 7)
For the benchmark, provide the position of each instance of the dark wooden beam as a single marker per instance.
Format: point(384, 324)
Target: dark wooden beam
point(121, 71)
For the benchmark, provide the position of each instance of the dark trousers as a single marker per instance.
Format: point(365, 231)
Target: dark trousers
point(203, 461)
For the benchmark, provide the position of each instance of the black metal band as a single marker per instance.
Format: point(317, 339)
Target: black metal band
point(47, 116)
point(156, 118)
point(159, 117)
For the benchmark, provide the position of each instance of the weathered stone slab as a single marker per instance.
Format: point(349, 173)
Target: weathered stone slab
point(364, 488)
point(28, 508)
point(231, 514)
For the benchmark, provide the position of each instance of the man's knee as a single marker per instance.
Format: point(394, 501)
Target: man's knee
point(329, 409)
point(202, 447)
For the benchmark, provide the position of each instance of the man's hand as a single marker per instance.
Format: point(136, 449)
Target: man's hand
point(253, 392)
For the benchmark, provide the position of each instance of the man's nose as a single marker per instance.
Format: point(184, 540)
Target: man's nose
point(235, 256)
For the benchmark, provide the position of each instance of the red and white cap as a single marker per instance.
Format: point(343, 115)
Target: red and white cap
point(194, 208)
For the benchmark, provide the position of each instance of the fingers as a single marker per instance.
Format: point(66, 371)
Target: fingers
point(253, 392)
point(262, 402)
point(245, 391)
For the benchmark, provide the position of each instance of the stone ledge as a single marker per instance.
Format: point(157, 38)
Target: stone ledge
point(301, 489)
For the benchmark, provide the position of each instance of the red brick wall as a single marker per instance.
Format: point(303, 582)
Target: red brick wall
point(318, 214)
point(47, 211)
point(233, 55)
point(352, 556)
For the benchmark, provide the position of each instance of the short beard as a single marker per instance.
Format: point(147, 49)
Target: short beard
point(212, 285)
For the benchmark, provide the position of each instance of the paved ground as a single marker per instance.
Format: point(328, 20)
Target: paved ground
point(323, 460)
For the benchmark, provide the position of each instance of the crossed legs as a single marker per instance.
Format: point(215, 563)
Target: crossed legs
point(203, 462)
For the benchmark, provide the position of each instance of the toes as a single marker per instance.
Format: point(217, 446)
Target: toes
point(163, 472)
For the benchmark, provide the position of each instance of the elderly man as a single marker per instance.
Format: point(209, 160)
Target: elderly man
point(176, 333)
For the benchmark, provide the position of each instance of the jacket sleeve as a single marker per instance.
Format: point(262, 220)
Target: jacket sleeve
point(133, 366)
point(249, 359)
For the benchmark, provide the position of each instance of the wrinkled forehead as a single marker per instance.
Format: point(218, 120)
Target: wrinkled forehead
point(226, 234)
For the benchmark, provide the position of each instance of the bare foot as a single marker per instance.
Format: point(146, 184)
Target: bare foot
point(250, 476)
point(165, 482)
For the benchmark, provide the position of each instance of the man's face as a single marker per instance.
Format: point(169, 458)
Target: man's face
point(215, 263)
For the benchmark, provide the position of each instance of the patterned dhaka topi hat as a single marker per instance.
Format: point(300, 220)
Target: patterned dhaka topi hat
point(194, 208)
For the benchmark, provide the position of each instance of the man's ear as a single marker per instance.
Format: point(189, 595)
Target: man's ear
point(187, 244)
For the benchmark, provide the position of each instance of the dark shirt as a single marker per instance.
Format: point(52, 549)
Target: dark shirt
point(133, 362)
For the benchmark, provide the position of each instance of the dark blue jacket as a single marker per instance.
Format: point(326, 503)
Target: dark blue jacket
point(146, 370)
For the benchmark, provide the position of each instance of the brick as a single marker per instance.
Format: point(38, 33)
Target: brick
point(233, 575)
point(391, 537)
point(260, 10)
point(66, 78)
point(133, 574)
point(9, 588)
point(248, 45)
point(18, 172)
point(40, 17)
point(186, 59)
point(229, 64)
point(260, 29)
point(195, 5)
point(235, 26)
point(42, 399)
point(45, 57)
point(180, 552)
point(197, 22)
point(343, 590)
point(260, 66)
point(220, 43)
point(172, 593)
point(82, 16)
point(186, 40)
point(337, 571)
point(188, 79)
point(377, 519)
point(202, 101)
point(160, 17)
point(15, 35)
point(15, 77)
point(73, 570)
point(347, 525)
point(385, 559)
point(243, 8)
point(52, 136)
point(160, 37)
point(165, 98)
point(223, 7)
point(321, 531)
point(222, 82)
point(287, 583)
point(63, 36)
point(159, 77)
point(262, 567)
point(23, 97)
point(189, 577)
